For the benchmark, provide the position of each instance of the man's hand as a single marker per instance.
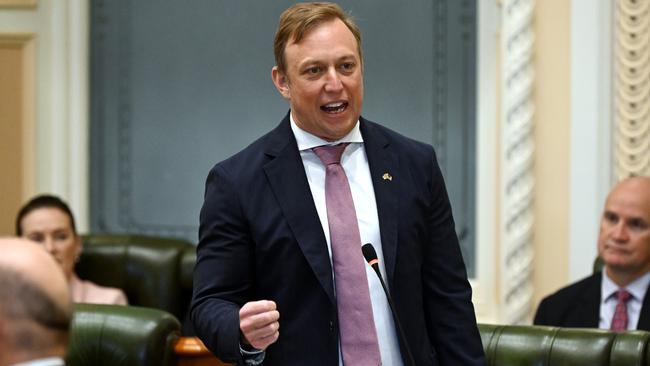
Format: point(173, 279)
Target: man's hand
point(258, 323)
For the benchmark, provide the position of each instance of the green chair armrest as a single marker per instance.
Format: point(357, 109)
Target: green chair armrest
point(121, 335)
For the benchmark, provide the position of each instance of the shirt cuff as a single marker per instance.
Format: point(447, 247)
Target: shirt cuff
point(252, 357)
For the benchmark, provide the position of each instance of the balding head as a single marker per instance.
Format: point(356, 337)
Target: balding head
point(35, 303)
point(624, 239)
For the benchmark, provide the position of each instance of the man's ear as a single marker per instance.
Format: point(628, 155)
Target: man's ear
point(281, 82)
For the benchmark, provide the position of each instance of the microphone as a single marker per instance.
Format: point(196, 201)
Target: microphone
point(370, 255)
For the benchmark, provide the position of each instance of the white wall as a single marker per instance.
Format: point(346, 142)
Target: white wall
point(591, 131)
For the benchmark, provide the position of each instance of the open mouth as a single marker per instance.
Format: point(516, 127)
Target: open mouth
point(334, 108)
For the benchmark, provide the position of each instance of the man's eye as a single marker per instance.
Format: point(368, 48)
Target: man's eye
point(637, 224)
point(348, 66)
point(611, 217)
point(313, 70)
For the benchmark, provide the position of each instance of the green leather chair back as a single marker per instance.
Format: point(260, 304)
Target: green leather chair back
point(115, 335)
point(150, 270)
point(510, 345)
point(598, 264)
point(188, 260)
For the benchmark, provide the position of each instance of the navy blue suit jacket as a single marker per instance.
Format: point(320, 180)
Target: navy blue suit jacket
point(578, 305)
point(260, 238)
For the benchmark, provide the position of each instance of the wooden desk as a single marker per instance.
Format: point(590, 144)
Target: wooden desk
point(190, 351)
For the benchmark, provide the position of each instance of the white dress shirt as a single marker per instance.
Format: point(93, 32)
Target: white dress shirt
point(608, 300)
point(355, 163)
point(50, 361)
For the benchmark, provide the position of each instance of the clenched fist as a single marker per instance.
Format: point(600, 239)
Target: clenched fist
point(258, 323)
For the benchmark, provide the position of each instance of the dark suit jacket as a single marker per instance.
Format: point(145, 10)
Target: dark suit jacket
point(578, 305)
point(260, 238)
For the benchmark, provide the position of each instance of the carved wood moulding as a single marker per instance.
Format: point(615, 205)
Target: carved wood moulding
point(632, 88)
point(517, 158)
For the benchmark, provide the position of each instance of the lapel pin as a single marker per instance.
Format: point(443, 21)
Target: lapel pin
point(387, 176)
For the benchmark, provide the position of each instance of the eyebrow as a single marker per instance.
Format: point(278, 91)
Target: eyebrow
point(610, 213)
point(310, 61)
point(54, 230)
point(638, 219)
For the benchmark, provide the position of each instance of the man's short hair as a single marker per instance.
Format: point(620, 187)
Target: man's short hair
point(26, 307)
point(43, 201)
point(300, 18)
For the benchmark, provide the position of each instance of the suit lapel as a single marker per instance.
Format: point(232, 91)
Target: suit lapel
point(384, 164)
point(644, 317)
point(583, 308)
point(286, 175)
point(588, 315)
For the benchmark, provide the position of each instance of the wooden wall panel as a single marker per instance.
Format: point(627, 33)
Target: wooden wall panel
point(16, 102)
point(18, 4)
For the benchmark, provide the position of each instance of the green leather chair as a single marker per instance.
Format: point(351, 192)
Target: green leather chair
point(153, 272)
point(188, 260)
point(511, 345)
point(115, 335)
point(598, 264)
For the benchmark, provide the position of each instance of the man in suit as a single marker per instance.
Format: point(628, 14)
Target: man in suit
point(268, 279)
point(615, 298)
point(35, 306)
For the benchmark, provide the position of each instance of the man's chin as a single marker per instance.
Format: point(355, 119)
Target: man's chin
point(621, 267)
point(614, 260)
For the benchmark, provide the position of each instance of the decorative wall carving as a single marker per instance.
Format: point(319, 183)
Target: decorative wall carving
point(517, 157)
point(632, 86)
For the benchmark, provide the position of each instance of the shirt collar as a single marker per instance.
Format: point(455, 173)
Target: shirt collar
point(307, 141)
point(637, 287)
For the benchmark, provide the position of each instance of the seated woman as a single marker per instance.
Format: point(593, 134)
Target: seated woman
point(48, 220)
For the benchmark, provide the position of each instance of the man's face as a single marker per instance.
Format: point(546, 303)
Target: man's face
point(323, 81)
point(624, 240)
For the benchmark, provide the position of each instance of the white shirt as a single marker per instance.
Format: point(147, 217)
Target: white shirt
point(50, 361)
point(355, 163)
point(608, 300)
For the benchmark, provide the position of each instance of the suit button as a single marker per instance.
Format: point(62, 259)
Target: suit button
point(331, 325)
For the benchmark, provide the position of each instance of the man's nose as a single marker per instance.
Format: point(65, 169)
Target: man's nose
point(620, 232)
point(333, 82)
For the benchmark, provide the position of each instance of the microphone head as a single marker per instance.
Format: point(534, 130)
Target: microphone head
point(369, 253)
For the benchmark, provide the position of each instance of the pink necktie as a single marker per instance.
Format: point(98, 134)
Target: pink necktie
point(620, 318)
point(357, 331)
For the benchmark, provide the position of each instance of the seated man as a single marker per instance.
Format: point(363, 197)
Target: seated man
point(35, 306)
point(616, 297)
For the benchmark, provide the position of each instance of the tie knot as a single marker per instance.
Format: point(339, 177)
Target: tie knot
point(623, 295)
point(330, 154)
